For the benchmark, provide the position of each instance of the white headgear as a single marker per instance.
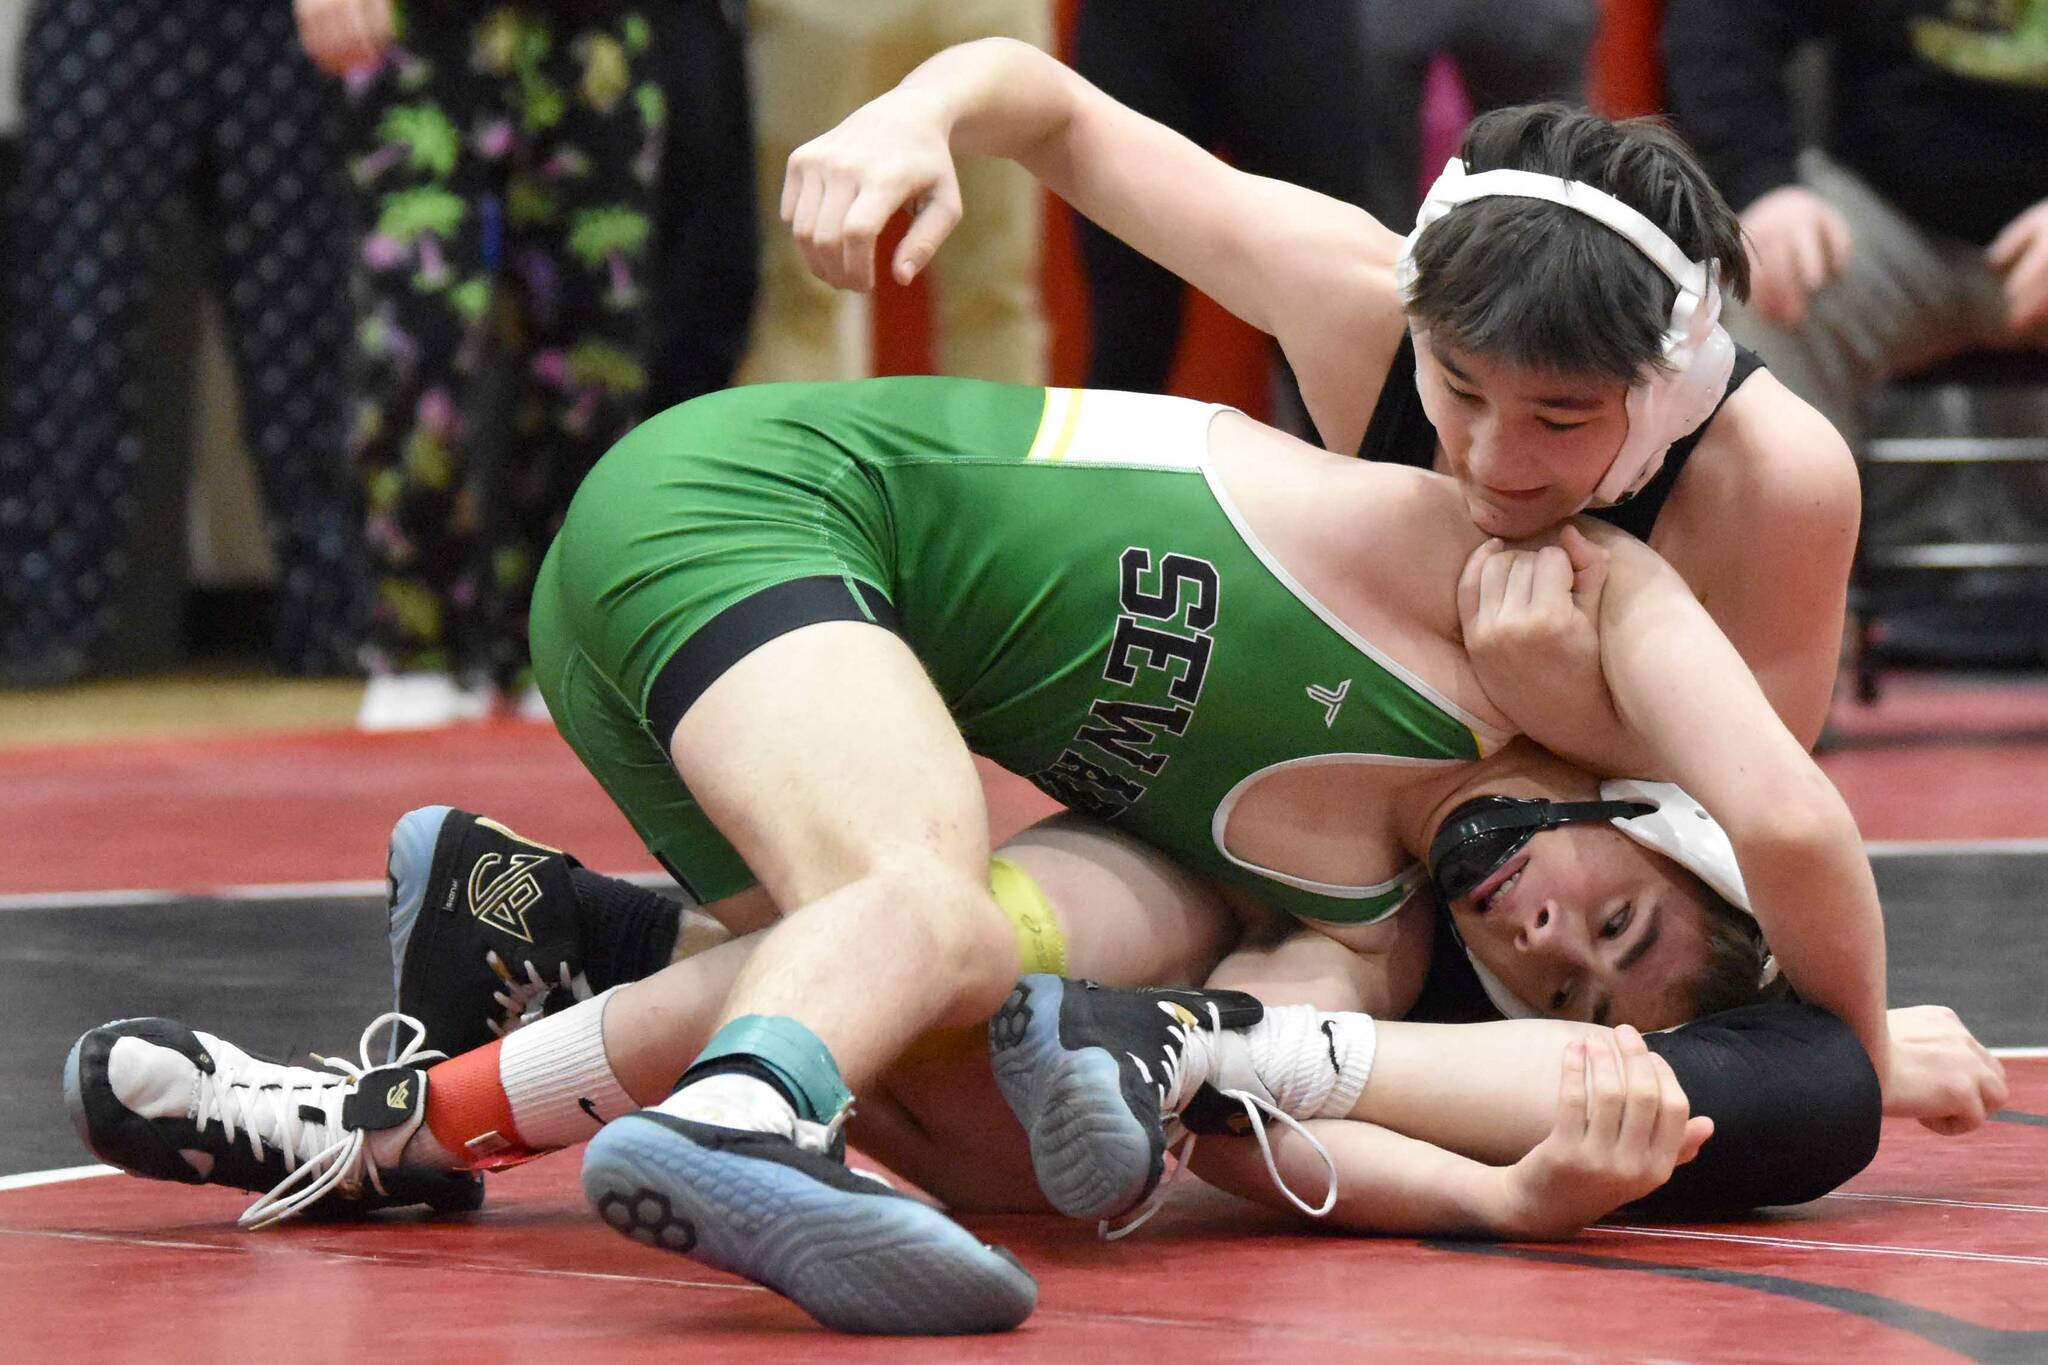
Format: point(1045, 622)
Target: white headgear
point(1665, 403)
point(1681, 830)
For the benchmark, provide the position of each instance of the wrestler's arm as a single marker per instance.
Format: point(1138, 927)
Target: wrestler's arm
point(1793, 1099)
point(1763, 530)
point(1682, 692)
point(1386, 1183)
point(1615, 1124)
point(1313, 271)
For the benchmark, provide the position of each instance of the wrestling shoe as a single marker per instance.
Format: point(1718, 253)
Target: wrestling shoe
point(167, 1102)
point(786, 1212)
point(1093, 1073)
point(483, 927)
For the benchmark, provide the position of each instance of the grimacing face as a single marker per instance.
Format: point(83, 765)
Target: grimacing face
point(1585, 923)
point(1527, 446)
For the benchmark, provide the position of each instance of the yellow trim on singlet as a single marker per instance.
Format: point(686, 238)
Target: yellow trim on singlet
point(1041, 946)
point(1056, 425)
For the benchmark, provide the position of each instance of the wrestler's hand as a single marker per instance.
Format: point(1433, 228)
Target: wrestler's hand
point(1623, 1125)
point(1939, 1073)
point(1798, 242)
point(341, 35)
point(1530, 619)
point(842, 188)
point(2021, 255)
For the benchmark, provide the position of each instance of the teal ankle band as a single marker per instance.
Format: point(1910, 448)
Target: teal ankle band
point(797, 1056)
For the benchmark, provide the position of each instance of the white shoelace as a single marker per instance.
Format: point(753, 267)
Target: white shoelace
point(523, 1001)
point(321, 1155)
point(1172, 1101)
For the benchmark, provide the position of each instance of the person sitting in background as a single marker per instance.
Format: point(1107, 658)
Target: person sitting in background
point(1918, 227)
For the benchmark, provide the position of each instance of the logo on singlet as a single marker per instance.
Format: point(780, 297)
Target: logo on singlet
point(502, 901)
point(1330, 699)
point(1160, 647)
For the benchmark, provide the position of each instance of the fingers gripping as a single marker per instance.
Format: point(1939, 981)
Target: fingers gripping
point(936, 218)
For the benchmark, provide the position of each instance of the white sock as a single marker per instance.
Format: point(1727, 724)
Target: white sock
point(731, 1099)
point(558, 1079)
point(1309, 1063)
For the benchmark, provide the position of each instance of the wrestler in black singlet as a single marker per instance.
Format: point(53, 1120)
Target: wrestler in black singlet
point(1793, 1097)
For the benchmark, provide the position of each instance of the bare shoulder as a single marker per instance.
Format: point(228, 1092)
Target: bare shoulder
point(1771, 458)
point(1385, 540)
point(1421, 530)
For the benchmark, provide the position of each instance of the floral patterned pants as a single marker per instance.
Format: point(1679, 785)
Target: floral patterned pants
point(508, 156)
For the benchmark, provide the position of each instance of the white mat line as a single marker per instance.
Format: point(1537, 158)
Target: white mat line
point(1943, 1203)
point(1908, 848)
point(83, 900)
point(272, 891)
point(1805, 1244)
point(28, 1180)
point(2018, 1051)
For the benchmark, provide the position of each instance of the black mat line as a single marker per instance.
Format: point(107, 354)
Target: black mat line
point(1972, 1340)
point(285, 976)
point(2020, 1116)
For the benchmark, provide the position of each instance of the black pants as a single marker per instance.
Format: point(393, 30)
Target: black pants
point(706, 263)
point(1277, 88)
point(130, 109)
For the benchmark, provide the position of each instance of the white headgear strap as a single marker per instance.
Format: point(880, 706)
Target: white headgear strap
point(1682, 831)
point(1666, 403)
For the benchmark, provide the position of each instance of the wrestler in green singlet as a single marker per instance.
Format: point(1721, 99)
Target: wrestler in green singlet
point(1087, 601)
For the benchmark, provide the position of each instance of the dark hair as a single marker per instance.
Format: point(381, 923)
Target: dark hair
point(1535, 283)
point(1734, 970)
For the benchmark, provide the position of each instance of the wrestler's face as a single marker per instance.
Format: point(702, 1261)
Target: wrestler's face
point(1528, 446)
point(1585, 923)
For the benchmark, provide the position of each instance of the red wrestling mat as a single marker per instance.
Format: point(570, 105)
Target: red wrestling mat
point(1933, 760)
point(1938, 1252)
point(1937, 758)
point(197, 814)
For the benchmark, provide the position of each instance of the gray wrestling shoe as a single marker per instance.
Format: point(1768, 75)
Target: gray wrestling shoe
point(483, 926)
point(784, 1213)
point(1089, 1071)
point(167, 1102)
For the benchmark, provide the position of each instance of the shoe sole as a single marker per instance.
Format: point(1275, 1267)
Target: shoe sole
point(74, 1096)
point(873, 1263)
point(1092, 1156)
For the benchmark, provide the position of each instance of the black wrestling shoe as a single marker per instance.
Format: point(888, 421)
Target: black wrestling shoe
point(483, 927)
point(166, 1102)
point(788, 1214)
point(1094, 1072)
